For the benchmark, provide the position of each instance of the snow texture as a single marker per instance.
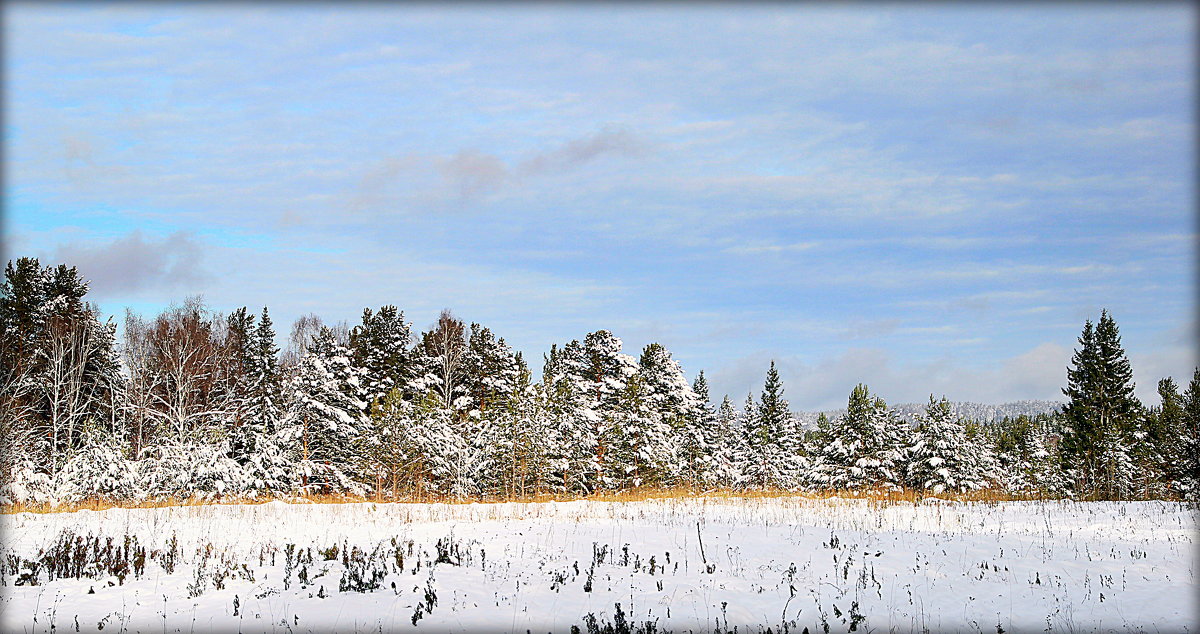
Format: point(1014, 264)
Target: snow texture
point(699, 564)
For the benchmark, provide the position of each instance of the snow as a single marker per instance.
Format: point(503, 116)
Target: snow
point(938, 566)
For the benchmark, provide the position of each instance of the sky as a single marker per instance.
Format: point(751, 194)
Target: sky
point(927, 198)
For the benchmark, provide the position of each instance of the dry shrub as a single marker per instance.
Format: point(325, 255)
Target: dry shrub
point(874, 497)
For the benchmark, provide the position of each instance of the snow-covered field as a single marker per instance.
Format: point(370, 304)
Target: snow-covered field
point(699, 564)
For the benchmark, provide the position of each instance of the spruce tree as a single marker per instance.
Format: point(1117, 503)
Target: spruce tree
point(667, 392)
point(330, 412)
point(725, 452)
point(22, 318)
point(1158, 451)
point(640, 444)
point(864, 447)
point(1190, 439)
point(238, 378)
point(703, 440)
point(772, 438)
point(1101, 414)
point(265, 374)
point(943, 458)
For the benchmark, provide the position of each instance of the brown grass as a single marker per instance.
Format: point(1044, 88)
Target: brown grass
point(875, 497)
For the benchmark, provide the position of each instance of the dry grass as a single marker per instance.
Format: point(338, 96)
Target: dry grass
point(880, 497)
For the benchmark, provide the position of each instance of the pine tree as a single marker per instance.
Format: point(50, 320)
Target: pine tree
point(864, 446)
point(491, 370)
point(588, 379)
point(521, 442)
point(22, 298)
point(725, 451)
point(943, 458)
point(238, 373)
point(702, 458)
point(99, 468)
point(1156, 450)
point(641, 452)
point(1101, 413)
point(1190, 440)
point(676, 404)
point(381, 347)
point(264, 377)
point(329, 407)
point(1027, 459)
point(575, 428)
point(772, 438)
point(262, 445)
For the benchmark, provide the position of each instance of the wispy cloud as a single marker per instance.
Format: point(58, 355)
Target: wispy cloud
point(929, 183)
point(133, 263)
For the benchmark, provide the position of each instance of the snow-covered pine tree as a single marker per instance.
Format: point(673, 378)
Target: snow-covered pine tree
point(1156, 450)
point(641, 449)
point(271, 465)
point(1027, 460)
point(491, 369)
point(380, 345)
point(667, 392)
point(724, 466)
point(1115, 467)
point(395, 451)
point(451, 461)
point(1190, 440)
point(574, 428)
point(189, 468)
point(100, 468)
point(864, 448)
point(1045, 470)
point(237, 378)
point(588, 380)
point(328, 402)
point(744, 453)
point(703, 441)
point(262, 411)
point(773, 439)
point(942, 457)
point(518, 451)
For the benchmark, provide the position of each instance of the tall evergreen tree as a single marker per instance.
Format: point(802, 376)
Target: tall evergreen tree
point(726, 449)
point(864, 448)
point(58, 365)
point(265, 374)
point(1158, 450)
point(942, 457)
point(1190, 445)
point(772, 438)
point(239, 381)
point(702, 440)
point(1101, 413)
point(677, 405)
point(491, 370)
point(329, 409)
point(640, 448)
point(380, 345)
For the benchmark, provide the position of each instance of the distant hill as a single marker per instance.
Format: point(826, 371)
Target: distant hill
point(980, 412)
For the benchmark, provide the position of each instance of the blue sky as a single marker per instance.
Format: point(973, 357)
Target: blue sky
point(927, 198)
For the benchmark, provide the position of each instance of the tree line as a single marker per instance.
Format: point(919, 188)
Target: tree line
point(193, 403)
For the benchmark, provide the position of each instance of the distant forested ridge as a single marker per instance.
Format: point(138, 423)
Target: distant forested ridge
point(193, 403)
point(968, 411)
